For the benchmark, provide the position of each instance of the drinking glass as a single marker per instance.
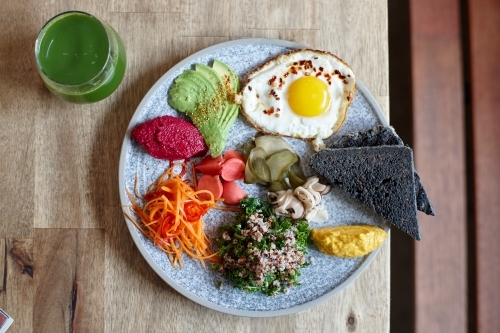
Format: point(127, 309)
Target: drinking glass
point(80, 58)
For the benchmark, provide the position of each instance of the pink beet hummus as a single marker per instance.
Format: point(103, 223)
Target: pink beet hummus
point(170, 138)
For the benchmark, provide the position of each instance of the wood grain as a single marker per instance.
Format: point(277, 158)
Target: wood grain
point(69, 284)
point(17, 287)
point(17, 130)
point(484, 70)
point(439, 150)
point(59, 166)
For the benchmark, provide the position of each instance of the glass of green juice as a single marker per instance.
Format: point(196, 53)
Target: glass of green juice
point(80, 58)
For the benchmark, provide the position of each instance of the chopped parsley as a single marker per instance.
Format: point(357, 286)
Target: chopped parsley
point(262, 252)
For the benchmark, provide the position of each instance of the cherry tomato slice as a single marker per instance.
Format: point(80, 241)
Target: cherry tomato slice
point(193, 211)
point(167, 223)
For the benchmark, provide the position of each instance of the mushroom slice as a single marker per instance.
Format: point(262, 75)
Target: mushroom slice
point(287, 204)
point(274, 196)
point(297, 211)
point(281, 200)
point(314, 184)
point(310, 182)
point(309, 197)
point(326, 190)
point(311, 213)
point(280, 197)
point(320, 216)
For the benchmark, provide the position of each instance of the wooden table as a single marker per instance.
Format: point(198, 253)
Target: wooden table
point(68, 261)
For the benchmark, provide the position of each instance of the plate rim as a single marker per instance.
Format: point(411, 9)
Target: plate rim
point(132, 229)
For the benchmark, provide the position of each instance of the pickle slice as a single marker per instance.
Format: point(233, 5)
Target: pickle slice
point(277, 186)
point(296, 175)
point(272, 144)
point(258, 166)
point(279, 162)
point(246, 149)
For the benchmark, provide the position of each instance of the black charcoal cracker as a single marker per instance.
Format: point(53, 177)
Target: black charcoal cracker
point(379, 177)
point(384, 136)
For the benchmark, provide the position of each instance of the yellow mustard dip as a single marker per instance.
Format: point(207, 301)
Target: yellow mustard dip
point(348, 241)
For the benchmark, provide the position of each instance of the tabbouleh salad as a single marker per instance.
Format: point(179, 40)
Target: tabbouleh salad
point(261, 251)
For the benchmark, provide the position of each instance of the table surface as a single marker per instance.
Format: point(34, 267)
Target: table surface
point(69, 263)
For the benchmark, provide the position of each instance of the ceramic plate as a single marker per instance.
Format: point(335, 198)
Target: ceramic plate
point(321, 280)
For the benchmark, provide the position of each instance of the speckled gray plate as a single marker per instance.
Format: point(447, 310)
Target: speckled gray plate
point(320, 281)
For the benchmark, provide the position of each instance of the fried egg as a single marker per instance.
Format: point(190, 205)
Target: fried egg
point(303, 94)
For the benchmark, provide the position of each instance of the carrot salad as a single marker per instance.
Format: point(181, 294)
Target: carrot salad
point(172, 217)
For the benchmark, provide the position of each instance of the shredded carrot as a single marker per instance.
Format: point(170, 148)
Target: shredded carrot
point(172, 217)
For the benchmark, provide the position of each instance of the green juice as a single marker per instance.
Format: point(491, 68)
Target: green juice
point(80, 59)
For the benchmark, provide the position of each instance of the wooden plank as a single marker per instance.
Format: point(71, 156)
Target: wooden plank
point(293, 14)
point(76, 160)
point(16, 142)
point(484, 71)
point(17, 287)
point(368, 56)
point(148, 6)
point(69, 280)
point(439, 141)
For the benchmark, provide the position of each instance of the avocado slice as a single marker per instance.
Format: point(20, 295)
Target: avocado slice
point(214, 138)
point(181, 105)
point(200, 79)
point(209, 73)
point(223, 70)
point(228, 117)
point(189, 89)
point(187, 82)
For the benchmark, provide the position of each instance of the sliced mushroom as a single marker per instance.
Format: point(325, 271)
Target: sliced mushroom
point(286, 203)
point(280, 198)
point(311, 213)
point(326, 190)
point(274, 196)
point(303, 202)
point(321, 216)
point(310, 181)
point(313, 183)
point(309, 198)
point(297, 211)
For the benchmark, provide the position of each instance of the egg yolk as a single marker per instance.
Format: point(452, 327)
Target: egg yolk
point(308, 96)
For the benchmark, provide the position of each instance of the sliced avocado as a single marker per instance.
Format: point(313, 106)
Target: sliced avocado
point(199, 78)
point(189, 89)
point(209, 73)
point(228, 117)
point(189, 83)
point(211, 132)
point(184, 97)
point(184, 91)
point(191, 92)
point(180, 105)
point(223, 70)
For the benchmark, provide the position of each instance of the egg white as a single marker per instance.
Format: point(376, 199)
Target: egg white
point(264, 98)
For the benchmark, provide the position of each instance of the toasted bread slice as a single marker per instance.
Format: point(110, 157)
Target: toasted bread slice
point(382, 178)
point(384, 136)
